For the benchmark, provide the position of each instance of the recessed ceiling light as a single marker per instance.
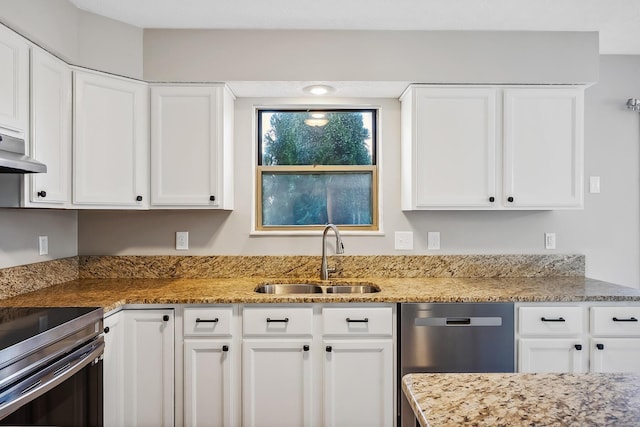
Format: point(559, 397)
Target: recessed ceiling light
point(318, 89)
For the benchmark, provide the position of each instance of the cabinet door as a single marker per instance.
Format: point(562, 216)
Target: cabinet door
point(14, 83)
point(452, 153)
point(114, 363)
point(543, 143)
point(208, 384)
point(110, 148)
point(276, 383)
point(149, 368)
point(619, 355)
point(358, 383)
point(552, 355)
point(50, 130)
point(188, 132)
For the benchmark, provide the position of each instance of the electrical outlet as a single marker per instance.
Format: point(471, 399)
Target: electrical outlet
point(182, 240)
point(43, 245)
point(404, 240)
point(433, 240)
point(549, 240)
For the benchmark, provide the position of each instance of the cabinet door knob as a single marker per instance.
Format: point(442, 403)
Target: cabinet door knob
point(509, 199)
point(328, 349)
point(305, 347)
point(225, 348)
point(165, 317)
point(492, 199)
point(578, 346)
point(212, 198)
point(106, 329)
point(600, 346)
point(42, 194)
point(139, 198)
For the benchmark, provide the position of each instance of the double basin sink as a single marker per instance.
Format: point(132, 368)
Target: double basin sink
point(332, 287)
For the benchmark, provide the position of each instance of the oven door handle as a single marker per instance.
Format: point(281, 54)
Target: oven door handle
point(49, 377)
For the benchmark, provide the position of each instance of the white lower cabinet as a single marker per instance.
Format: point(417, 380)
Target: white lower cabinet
point(277, 382)
point(615, 339)
point(552, 355)
point(113, 368)
point(149, 368)
point(358, 383)
point(211, 366)
point(318, 365)
point(251, 365)
point(583, 337)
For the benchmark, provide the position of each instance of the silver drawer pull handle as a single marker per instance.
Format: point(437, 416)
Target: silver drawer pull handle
point(559, 319)
point(365, 320)
point(631, 319)
point(199, 320)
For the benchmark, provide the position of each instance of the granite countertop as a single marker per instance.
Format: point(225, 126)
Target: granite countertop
point(113, 293)
point(524, 399)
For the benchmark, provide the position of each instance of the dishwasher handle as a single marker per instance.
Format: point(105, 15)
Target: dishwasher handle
point(458, 321)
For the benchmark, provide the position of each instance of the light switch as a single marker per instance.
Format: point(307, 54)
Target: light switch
point(549, 240)
point(43, 245)
point(433, 240)
point(594, 184)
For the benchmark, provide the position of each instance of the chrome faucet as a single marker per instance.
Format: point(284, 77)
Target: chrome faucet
point(324, 269)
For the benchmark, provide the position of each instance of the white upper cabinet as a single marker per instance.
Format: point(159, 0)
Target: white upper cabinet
point(492, 147)
point(191, 147)
point(543, 144)
point(50, 131)
point(449, 148)
point(14, 83)
point(110, 144)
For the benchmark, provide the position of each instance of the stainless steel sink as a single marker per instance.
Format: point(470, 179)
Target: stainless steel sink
point(351, 289)
point(288, 288)
point(340, 287)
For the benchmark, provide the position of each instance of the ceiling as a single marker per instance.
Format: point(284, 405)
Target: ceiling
point(618, 21)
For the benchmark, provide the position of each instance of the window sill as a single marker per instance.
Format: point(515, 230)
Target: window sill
point(274, 233)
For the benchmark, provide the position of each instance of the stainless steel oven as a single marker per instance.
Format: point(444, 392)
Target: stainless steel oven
point(51, 366)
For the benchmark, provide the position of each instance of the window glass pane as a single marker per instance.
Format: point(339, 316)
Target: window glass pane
point(317, 137)
point(299, 199)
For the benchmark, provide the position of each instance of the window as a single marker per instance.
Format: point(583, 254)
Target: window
point(316, 167)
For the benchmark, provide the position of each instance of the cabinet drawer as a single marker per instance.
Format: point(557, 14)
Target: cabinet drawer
point(277, 320)
point(208, 321)
point(615, 321)
point(550, 321)
point(357, 321)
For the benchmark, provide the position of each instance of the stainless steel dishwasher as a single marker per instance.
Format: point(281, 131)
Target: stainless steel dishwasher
point(453, 337)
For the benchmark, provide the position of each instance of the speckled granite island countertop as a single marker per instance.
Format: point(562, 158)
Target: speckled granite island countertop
point(524, 399)
point(113, 293)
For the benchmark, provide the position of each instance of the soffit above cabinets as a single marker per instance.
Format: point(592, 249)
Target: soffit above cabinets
point(295, 89)
point(618, 22)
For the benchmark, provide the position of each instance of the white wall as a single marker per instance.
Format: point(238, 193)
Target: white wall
point(607, 231)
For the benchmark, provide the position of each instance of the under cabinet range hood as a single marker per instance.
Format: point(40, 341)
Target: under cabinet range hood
point(13, 159)
point(13, 165)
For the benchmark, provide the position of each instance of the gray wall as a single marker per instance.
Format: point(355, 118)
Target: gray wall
point(413, 56)
point(606, 231)
point(80, 38)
